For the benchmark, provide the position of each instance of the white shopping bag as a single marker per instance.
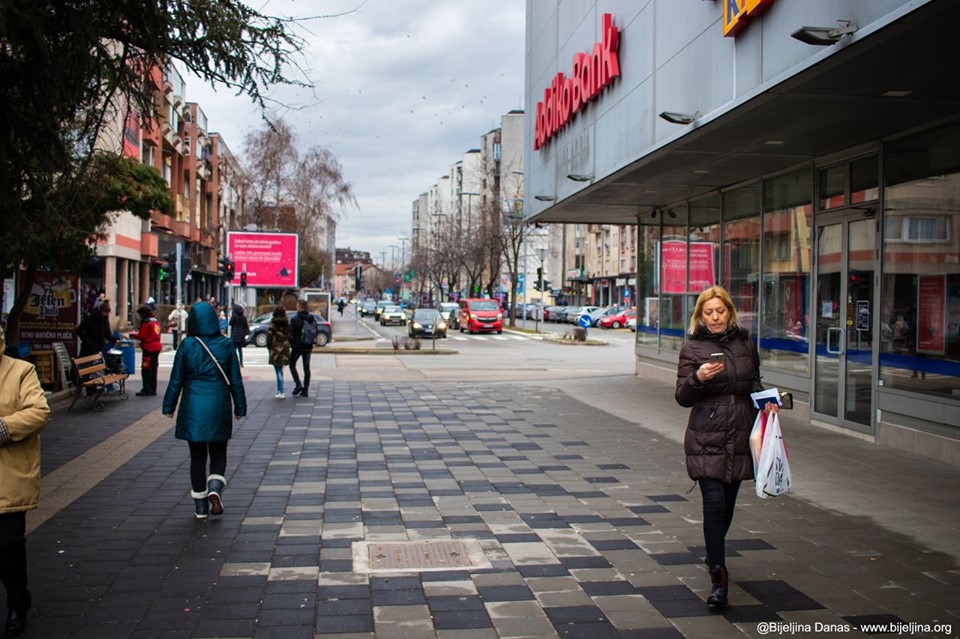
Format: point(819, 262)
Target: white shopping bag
point(772, 469)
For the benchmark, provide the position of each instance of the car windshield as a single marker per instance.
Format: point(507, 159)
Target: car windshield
point(446, 307)
point(392, 309)
point(484, 306)
point(425, 314)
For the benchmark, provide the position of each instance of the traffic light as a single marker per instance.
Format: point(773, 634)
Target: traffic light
point(358, 278)
point(169, 270)
point(539, 272)
point(536, 285)
point(227, 269)
point(243, 279)
point(186, 263)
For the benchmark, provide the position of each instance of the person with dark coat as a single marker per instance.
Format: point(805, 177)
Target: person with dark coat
point(149, 336)
point(94, 331)
point(23, 415)
point(278, 345)
point(205, 380)
point(341, 304)
point(239, 329)
point(717, 439)
point(299, 349)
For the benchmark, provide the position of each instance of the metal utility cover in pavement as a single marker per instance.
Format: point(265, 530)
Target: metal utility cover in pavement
point(418, 556)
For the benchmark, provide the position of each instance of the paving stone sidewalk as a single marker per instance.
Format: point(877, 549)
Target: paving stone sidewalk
point(585, 522)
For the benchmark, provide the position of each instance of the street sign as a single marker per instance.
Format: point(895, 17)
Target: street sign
point(584, 321)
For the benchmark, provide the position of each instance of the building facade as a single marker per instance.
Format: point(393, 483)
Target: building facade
point(813, 171)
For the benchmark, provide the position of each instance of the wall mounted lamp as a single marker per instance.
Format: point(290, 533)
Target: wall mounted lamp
point(578, 177)
point(824, 35)
point(545, 198)
point(679, 118)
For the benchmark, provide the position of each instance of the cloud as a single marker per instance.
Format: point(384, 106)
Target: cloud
point(401, 90)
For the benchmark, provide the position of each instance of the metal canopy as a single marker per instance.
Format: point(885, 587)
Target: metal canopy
point(834, 105)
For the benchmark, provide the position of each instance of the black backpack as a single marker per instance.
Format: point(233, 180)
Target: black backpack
point(309, 331)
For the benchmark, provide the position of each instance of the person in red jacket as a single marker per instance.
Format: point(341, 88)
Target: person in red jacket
point(149, 336)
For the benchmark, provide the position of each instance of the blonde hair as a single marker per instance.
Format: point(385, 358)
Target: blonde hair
point(714, 292)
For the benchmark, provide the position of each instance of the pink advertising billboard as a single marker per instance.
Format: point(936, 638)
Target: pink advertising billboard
point(269, 259)
point(673, 266)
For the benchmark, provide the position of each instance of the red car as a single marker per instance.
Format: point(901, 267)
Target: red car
point(618, 320)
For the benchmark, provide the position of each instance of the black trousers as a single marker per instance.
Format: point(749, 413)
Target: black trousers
point(176, 339)
point(13, 558)
point(294, 356)
point(719, 500)
point(199, 451)
point(148, 369)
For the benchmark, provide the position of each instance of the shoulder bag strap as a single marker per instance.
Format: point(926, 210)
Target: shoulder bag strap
point(219, 368)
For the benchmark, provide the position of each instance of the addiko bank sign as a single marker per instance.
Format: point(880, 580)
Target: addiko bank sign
point(566, 96)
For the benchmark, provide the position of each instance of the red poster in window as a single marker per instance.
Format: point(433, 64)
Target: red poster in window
point(674, 266)
point(931, 305)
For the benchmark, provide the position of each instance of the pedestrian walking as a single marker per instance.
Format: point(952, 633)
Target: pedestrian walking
point(221, 321)
point(718, 369)
point(23, 414)
point(278, 345)
point(341, 304)
point(94, 332)
point(149, 336)
point(206, 383)
point(303, 328)
point(178, 323)
point(239, 329)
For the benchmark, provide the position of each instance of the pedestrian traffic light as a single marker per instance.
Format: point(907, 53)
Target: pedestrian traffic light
point(243, 279)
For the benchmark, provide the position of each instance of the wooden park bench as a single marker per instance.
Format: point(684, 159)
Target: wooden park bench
point(94, 381)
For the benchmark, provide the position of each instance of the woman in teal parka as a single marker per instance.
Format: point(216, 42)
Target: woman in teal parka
point(204, 418)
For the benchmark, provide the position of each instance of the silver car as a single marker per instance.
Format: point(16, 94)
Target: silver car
point(393, 315)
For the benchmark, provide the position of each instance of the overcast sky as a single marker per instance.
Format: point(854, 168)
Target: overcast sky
point(401, 89)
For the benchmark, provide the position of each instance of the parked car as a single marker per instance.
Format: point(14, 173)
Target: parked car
point(393, 315)
point(260, 324)
point(617, 319)
point(427, 322)
point(480, 314)
point(551, 313)
point(450, 311)
point(573, 316)
point(605, 311)
point(368, 307)
point(632, 323)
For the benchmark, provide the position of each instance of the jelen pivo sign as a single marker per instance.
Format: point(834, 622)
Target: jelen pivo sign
point(566, 96)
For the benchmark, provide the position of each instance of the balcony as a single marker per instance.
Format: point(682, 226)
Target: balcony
point(183, 230)
point(149, 244)
point(195, 234)
point(162, 222)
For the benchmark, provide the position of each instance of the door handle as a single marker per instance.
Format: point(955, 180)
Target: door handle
point(830, 333)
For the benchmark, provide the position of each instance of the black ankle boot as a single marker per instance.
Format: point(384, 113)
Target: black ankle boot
point(17, 619)
point(717, 599)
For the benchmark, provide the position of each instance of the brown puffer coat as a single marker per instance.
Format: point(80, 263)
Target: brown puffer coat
point(717, 441)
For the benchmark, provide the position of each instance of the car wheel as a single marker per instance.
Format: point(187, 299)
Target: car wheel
point(500, 332)
point(615, 325)
point(260, 340)
point(322, 339)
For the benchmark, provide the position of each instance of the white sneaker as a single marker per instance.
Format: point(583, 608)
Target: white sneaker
point(280, 396)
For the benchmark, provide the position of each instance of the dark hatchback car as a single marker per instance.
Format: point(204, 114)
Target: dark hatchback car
point(427, 322)
point(260, 324)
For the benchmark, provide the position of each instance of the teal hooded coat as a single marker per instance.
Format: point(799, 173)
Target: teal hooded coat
point(205, 413)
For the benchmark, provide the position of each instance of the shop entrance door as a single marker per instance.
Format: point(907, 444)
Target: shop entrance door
point(844, 355)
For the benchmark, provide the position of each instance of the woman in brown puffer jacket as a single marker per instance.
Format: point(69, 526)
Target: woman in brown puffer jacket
point(718, 369)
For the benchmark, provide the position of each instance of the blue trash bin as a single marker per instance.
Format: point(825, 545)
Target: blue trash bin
point(129, 351)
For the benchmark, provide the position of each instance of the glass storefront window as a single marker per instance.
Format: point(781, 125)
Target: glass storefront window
point(833, 187)
point(864, 180)
point(741, 251)
point(673, 278)
point(648, 302)
point(787, 257)
point(920, 287)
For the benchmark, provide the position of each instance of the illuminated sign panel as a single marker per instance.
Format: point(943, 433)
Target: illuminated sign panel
point(566, 96)
point(737, 13)
point(265, 260)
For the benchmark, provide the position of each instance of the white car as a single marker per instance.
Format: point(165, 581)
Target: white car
point(632, 324)
point(393, 315)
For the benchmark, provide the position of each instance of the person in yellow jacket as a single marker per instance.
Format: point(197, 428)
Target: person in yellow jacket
point(23, 414)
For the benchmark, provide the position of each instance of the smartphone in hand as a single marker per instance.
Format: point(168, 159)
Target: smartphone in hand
point(716, 358)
